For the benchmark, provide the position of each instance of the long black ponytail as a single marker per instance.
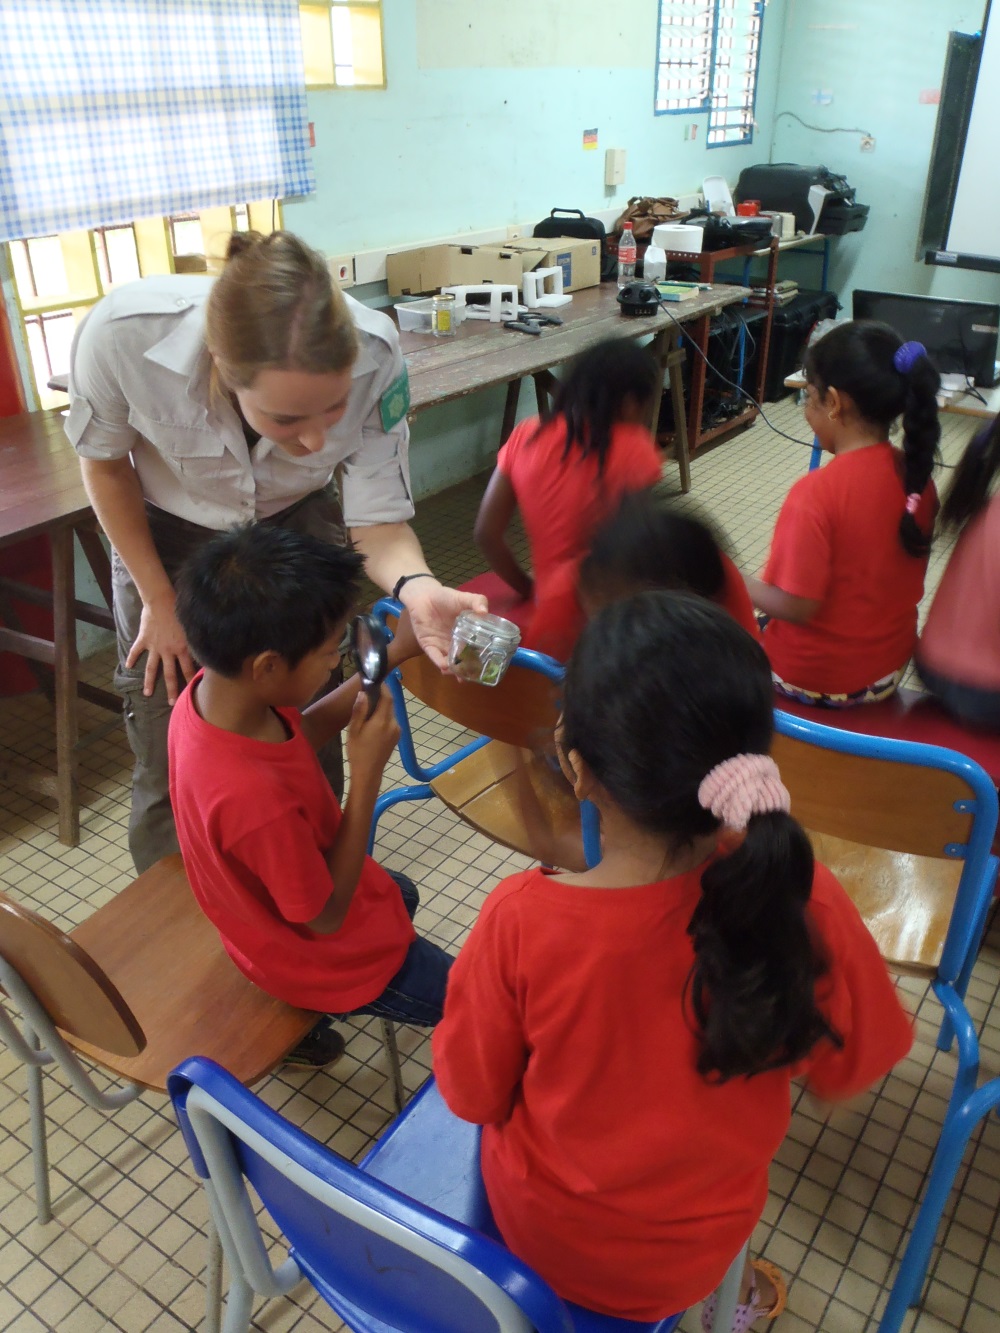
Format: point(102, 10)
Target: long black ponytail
point(859, 358)
point(973, 480)
point(662, 688)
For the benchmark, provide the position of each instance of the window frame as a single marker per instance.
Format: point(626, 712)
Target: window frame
point(155, 254)
point(376, 6)
point(712, 101)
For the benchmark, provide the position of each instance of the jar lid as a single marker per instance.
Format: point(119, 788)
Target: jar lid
point(496, 625)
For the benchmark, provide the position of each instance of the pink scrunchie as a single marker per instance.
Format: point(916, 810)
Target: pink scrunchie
point(747, 784)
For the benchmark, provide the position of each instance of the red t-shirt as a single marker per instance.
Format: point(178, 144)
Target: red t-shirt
point(961, 638)
point(837, 542)
point(255, 822)
point(612, 1167)
point(735, 598)
point(562, 502)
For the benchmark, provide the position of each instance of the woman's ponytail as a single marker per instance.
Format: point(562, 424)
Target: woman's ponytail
point(751, 991)
point(973, 480)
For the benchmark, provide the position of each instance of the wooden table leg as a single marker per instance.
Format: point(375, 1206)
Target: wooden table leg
point(546, 385)
point(682, 451)
point(97, 558)
point(510, 409)
point(64, 637)
point(698, 333)
point(670, 356)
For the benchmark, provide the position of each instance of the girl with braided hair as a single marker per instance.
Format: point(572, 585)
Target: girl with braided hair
point(627, 1035)
point(850, 547)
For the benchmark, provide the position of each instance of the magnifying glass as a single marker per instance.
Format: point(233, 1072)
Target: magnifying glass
point(370, 644)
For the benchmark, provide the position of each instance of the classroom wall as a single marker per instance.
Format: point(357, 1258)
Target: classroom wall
point(481, 125)
point(864, 65)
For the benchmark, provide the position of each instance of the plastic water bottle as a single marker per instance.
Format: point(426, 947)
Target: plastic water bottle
point(626, 256)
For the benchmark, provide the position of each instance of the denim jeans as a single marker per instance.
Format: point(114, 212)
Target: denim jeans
point(975, 707)
point(416, 993)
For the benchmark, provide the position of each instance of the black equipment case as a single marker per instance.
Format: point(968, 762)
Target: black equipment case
point(790, 330)
point(572, 222)
point(783, 187)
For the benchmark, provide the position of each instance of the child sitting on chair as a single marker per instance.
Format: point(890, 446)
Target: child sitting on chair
point(278, 867)
point(627, 1036)
point(850, 547)
point(566, 472)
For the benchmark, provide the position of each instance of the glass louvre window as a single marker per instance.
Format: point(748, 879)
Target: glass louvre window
point(707, 60)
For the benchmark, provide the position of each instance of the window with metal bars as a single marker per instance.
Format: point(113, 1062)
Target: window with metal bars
point(707, 60)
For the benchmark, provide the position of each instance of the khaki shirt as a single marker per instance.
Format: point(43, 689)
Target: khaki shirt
point(139, 385)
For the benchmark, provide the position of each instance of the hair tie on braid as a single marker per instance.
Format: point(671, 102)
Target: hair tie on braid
point(746, 785)
point(912, 502)
point(907, 356)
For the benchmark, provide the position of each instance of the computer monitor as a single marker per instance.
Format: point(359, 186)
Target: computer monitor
point(960, 336)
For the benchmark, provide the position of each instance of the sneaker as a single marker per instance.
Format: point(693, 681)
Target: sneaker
point(321, 1046)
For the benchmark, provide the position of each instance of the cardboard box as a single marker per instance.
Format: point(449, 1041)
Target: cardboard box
point(580, 260)
point(414, 272)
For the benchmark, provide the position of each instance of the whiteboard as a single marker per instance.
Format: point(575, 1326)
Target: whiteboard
point(975, 217)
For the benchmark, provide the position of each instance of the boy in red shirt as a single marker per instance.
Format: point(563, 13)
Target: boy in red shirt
point(277, 866)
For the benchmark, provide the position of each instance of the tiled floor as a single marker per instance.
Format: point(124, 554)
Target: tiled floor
point(125, 1249)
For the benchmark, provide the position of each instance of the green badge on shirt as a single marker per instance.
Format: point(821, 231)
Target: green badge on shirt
point(395, 402)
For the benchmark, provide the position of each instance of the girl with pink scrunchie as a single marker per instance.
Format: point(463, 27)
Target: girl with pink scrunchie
point(627, 1036)
point(850, 547)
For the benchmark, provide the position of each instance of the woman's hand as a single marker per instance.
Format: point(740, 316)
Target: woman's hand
point(433, 611)
point(165, 644)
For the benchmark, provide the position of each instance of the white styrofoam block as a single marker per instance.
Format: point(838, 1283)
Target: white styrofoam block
point(503, 300)
point(543, 287)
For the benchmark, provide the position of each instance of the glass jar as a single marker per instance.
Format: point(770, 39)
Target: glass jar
point(482, 647)
point(443, 315)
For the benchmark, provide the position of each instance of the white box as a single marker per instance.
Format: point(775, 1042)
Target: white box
point(414, 316)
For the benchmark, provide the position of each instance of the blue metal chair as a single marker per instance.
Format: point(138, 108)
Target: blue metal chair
point(403, 1241)
point(478, 780)
point(894, 801)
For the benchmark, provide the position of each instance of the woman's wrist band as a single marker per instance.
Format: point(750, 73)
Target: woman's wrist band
point(424, 574)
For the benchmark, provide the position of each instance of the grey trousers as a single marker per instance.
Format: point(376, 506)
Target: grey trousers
point(151, 832)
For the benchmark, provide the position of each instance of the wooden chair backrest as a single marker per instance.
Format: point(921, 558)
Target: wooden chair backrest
point(522, 710)
point(876, 802)
point(73, 990)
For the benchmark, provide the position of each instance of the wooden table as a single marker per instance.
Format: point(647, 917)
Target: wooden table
point(482, 355)
point(41, 493)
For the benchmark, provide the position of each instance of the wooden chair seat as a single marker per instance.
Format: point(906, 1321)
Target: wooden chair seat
point(165, 958)
point(905, 901)
point(483, 790)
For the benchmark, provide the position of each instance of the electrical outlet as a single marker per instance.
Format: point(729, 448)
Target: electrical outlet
point(342, 268)
point(868, 143)
point(514, 233)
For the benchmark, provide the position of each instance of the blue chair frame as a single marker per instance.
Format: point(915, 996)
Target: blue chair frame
point(404, 1240)
point(423, 776)
point(974, 897)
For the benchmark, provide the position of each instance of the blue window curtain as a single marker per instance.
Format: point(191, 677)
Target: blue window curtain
point(112, 110)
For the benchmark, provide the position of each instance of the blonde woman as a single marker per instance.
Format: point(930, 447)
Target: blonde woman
point(197, 404)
